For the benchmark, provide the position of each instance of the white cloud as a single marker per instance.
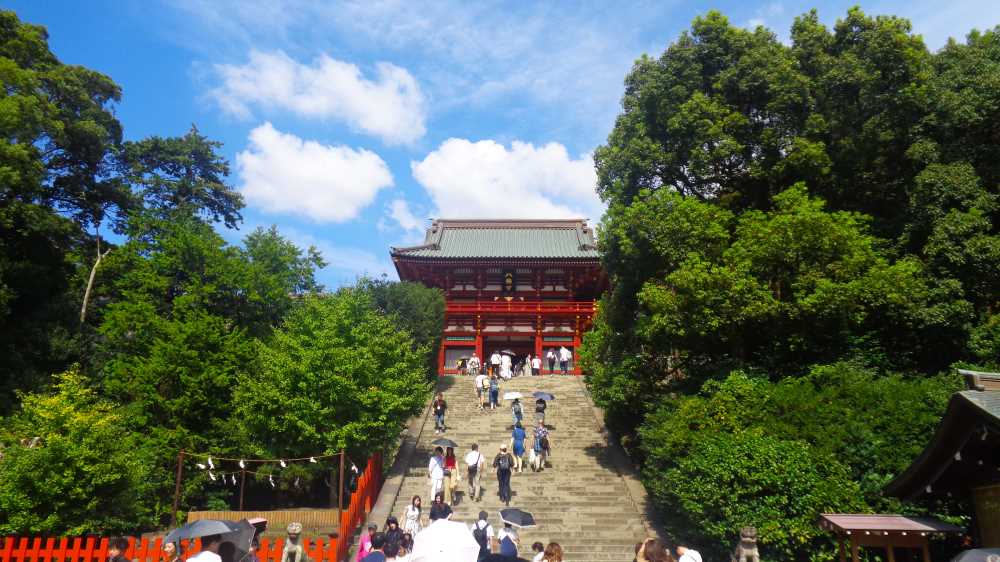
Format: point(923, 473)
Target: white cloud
point(485, 179)
point(390, 106)
point(282, 173)
point(400, 212)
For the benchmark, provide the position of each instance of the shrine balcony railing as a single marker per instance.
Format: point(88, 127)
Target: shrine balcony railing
point(521, 307)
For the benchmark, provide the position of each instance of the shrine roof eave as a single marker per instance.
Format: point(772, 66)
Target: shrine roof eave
point(971, 414)
point(490, 260)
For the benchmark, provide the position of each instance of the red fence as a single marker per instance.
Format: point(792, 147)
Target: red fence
point(95, 549)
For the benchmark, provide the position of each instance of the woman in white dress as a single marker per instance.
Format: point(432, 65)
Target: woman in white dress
point(505, 367)
point(411, 517)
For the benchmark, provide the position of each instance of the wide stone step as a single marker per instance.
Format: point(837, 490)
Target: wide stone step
point(579, 500)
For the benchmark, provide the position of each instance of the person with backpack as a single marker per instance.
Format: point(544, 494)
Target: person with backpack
point(482, 385)
point(503, 463)
point(494, 392)
point(517, 438)
point(516, 411)
point(474, 460)
point(542, 445)
point(540, 406)
point(508, 542)
point(439, 406)
point(482, 531)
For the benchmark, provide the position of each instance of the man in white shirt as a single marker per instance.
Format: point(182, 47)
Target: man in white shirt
point(474, 463)
point(209, 549)
point(481, 390)
point(564, 356)
point(687, 555)
point(473, 365)
point(536, 366)
point(435, 471)
point(495, 363)
point(486, 532)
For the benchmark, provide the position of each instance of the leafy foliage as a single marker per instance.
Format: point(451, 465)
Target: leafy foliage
point(776, 485)
point(354, 391)
point(170, 322)
point(775, 207)
point(86, 472)
point(417, 309)
point(747, 451)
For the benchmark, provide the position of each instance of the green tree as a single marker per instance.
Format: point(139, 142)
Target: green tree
point(337, 375)
point(177, 333)
point(57, 135)
point(840, 424)
point(279, 274)
point(415, 308)
point(725, 482)
point(71, 464)
point(181, 173)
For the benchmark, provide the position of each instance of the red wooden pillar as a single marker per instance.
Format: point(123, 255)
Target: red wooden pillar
point(538, 340)
point(479, 343)
point(441, 358)
point(576, 347)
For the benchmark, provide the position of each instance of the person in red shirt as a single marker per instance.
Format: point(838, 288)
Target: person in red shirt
point(451, 476)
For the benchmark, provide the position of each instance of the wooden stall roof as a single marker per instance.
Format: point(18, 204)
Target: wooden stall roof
point(849, 523)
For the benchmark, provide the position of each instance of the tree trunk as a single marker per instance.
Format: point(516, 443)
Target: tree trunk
point(90, 280)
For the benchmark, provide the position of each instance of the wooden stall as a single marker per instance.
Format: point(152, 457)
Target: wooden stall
point(889, 533)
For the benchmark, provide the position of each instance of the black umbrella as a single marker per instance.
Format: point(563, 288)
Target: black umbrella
point(517, 517)
point(543, 395)
point(442, 442)
point(978, 555)
point(240, 533)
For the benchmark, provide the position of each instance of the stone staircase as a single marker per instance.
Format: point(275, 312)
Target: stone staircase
point(579, 501)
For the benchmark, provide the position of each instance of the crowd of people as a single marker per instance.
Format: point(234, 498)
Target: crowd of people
point(395, 544)
point(655, 550)
point(502, 364)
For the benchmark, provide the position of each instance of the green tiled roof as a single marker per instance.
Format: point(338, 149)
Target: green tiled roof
point(560, 239)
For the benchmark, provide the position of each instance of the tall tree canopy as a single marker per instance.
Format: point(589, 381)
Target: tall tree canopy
point(65, 171)
point(773, 208)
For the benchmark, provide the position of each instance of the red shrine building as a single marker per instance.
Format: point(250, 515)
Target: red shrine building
point(520, 286)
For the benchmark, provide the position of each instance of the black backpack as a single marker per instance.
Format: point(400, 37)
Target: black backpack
point(479, 533)
point(517, 410)
point(503, 463)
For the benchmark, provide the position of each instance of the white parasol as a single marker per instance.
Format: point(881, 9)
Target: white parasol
point(445, 541)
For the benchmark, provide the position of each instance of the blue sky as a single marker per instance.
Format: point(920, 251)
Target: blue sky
point(349, 124)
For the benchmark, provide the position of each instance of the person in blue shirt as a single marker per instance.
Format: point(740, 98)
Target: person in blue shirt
point(517, 438)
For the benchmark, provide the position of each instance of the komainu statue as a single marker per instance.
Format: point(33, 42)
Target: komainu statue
point(746, 549)
point(293, 551)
